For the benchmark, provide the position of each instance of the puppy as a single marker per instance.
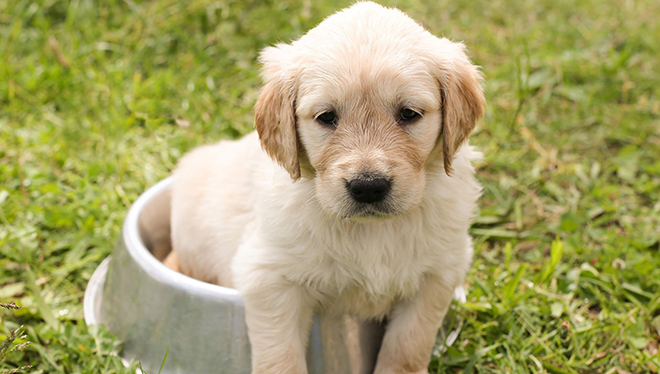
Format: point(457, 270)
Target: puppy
point(354, 196)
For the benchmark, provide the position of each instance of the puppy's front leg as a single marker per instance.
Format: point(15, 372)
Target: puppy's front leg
point(278, 317)
point(412, 330)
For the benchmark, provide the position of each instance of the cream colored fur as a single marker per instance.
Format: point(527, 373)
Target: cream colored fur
point(270, 214)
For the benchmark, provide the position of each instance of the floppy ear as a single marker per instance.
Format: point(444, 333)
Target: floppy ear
point(462, 98)
point(275, 117)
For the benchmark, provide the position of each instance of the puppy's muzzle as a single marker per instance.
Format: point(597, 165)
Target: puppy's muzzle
point(368, 190)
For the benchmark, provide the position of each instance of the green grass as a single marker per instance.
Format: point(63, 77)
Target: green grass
point(98, 99)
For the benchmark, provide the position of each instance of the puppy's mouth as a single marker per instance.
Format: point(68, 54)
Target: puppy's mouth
point(370, 212)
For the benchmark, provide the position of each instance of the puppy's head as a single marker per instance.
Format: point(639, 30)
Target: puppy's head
point(364, 104)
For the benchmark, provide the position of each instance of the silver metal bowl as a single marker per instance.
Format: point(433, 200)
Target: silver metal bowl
point(152, 308)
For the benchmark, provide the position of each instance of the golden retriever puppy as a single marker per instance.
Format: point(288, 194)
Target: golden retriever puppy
point(354, 195)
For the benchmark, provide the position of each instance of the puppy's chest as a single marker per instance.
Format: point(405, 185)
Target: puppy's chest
point(366, 278)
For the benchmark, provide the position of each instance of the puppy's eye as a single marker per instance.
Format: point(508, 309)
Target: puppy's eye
point(327, 118)
point(408, 115)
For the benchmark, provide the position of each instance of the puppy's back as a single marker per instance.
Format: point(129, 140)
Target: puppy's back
point(212, 203)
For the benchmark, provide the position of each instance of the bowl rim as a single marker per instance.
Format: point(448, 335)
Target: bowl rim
point(153, 267)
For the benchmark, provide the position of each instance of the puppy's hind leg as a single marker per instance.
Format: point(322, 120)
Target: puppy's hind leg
point(172, 262)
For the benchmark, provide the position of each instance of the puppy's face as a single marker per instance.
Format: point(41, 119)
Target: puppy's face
point(367, 126)
point(366, 102)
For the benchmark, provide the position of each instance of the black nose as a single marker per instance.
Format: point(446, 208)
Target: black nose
point(369, 190)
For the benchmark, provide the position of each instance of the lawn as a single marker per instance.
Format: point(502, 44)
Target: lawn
point(98, 99)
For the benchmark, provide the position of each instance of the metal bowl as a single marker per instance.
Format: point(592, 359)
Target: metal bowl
point(155, 310)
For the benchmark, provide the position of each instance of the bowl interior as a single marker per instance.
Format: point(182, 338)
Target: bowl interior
point(154, 224)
